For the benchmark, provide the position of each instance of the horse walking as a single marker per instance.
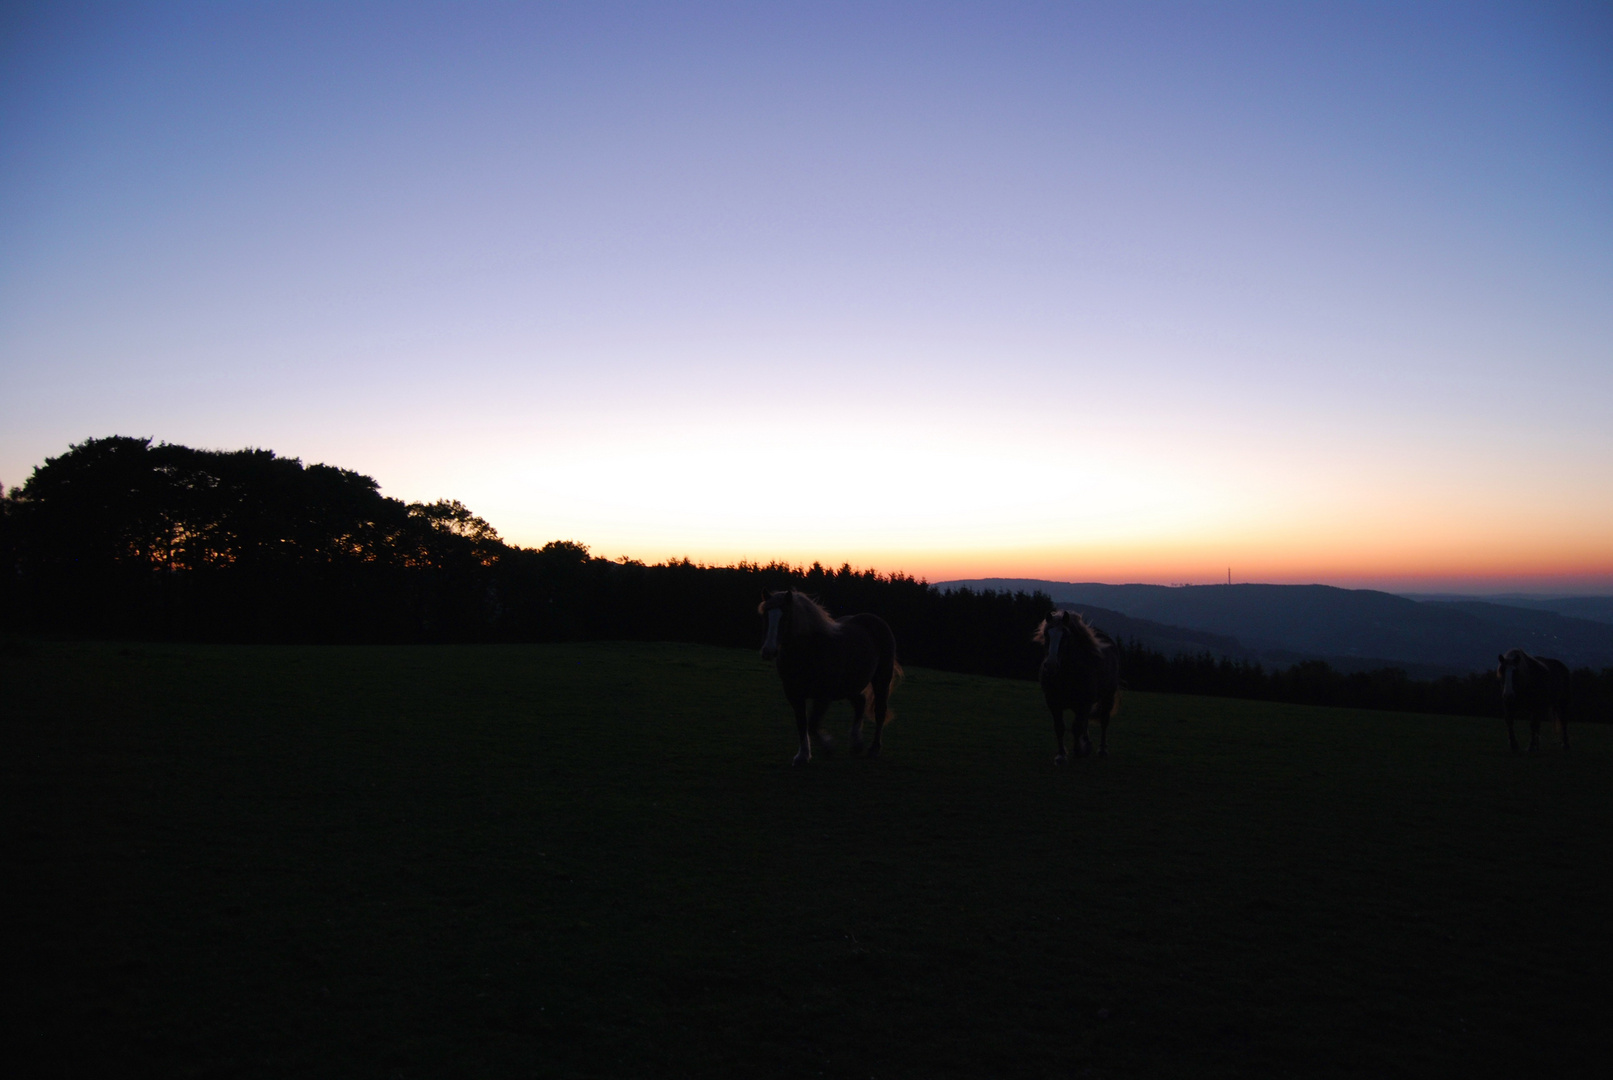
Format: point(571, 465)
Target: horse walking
point(824, 659)
point(1536, 687)
point(1081, 672)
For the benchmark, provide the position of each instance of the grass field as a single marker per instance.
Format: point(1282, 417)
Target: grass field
point(596, 860)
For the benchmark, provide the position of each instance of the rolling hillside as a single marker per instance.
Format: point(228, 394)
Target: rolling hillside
point(1348, 627)
point(1594, 608)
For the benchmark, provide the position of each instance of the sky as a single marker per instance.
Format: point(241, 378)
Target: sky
point(1122, 292)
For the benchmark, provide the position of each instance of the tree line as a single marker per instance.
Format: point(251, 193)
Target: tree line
point(121, 538)
point(1314, 682)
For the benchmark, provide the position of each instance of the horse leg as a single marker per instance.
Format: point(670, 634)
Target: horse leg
point(804, 754)
point(882, 698)
point(1081, 719)
point(1058, 733)
point(820, 706)
point(859, 706)
point(1562, 722)
point(1512, 736)
point(1106, 709)
point(1534, 731)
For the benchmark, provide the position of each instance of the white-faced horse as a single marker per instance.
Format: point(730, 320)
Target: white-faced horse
point(1081, 672)
point(822, 659)
point(1536, 687)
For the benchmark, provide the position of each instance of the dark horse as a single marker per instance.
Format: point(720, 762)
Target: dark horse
point(1081, 672)
point(1536, 687)
point(828, 659)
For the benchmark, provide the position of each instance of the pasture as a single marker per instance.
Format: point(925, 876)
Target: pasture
point(596, 860)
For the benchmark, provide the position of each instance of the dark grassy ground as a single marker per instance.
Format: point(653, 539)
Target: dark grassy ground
point(596, 860)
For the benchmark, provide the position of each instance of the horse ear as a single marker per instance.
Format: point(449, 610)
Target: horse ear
point(1500, 659)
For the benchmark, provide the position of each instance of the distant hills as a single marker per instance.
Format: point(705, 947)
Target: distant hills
point(1595, 608)
point(1353, 629)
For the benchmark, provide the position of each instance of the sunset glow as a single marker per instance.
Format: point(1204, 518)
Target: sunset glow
point(1313, 294)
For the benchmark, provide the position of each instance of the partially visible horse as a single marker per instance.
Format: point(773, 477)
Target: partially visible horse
point(824, 659)
point(1535, 687)
point(1081, 672)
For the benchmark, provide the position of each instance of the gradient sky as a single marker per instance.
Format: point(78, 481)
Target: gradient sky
point(1108, 292)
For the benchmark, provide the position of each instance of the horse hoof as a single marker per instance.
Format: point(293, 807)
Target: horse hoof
point(801, 759)
point(1104, 752)
point(1059, 759)
point(873, 750)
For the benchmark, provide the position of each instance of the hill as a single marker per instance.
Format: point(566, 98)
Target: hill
point(1594, 608)
point(1347, 627)
point(594, 860)
point(1170, 640)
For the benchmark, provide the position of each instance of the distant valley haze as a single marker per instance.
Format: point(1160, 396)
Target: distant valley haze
point(1352, 629)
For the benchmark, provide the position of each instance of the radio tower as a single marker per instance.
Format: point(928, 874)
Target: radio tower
point(1229, 575)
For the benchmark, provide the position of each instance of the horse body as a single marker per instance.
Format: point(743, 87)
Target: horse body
point(822, 660)
point(1535, 687)
point(1081, 672)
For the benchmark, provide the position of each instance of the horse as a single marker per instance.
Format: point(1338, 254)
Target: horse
point(1081, 672)
point(1536, 687)
point(825, 659)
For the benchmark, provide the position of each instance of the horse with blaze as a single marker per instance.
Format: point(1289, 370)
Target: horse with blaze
point(1535, 687)
point(1081, 672)
point(822, 659)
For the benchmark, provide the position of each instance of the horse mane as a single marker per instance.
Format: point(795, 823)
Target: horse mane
point(1523, 659)
point(1087, 638)
point(813, 619)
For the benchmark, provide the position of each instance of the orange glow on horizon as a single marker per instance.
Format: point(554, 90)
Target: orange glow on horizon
point(997, 499)
point(1476, 571)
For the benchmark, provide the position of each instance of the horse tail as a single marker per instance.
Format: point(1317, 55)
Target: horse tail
point(887, 649)
point(1111, 664)
point(896, 680)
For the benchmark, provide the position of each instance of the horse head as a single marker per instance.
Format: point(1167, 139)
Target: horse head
point(1511, 668)
point(776, 608)
point(1055, 634)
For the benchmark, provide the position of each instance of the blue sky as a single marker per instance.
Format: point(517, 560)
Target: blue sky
point(1128, 292)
